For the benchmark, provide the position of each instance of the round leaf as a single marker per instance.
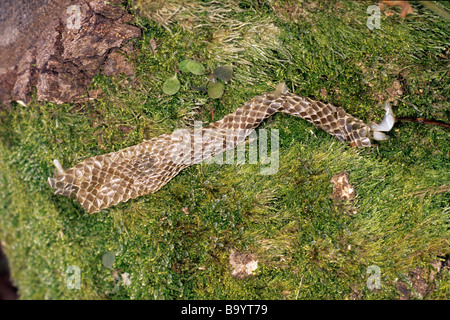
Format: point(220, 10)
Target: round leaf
point(182, 66)
point(195, 67)
point(171, 85)
point(108, 259)
point(215, 90)
point(223, 73)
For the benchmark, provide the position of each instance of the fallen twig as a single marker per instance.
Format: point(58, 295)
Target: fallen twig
point(424, 121)
point(432, 191)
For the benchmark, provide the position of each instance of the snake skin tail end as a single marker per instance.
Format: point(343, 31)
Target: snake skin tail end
point(58, 182)
point(88, 185)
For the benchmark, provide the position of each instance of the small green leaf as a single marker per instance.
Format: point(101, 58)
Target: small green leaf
point(171, 85)
point(215, 90)
point(108, 259)
point(182, 66)
point(224, 73)
point(195, 67)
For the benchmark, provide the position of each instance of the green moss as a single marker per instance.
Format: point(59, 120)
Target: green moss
point(175, 244)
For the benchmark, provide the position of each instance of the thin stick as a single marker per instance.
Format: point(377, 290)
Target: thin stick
point(424, 121)
point(432, 191)
point(441, 11)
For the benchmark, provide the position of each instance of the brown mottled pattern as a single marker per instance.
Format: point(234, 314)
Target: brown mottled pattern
point(106, 180)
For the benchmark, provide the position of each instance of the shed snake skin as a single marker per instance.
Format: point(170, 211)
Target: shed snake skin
point(105, 180)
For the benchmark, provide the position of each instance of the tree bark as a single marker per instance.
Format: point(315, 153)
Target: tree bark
point(57, 46)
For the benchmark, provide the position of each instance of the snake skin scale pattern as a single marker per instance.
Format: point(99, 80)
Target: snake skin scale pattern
point(106, 180)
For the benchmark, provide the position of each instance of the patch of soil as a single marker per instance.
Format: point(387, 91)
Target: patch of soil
point(420, 282)
point(7, 290)
point(342, 189)
point(243, 264)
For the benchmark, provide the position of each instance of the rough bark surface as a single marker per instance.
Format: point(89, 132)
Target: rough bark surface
point(57, 46)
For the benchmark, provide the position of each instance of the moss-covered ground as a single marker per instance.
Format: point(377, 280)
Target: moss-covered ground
point(175, 244)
